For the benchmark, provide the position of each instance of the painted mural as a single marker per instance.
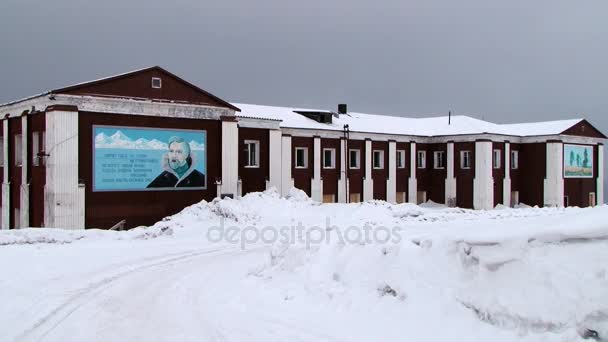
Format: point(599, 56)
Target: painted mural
point(140, 159)
point(578, 161)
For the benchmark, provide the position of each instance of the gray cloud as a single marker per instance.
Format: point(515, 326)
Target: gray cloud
point(502, 61)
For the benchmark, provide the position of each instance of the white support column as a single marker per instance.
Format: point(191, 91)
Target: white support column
point(412, 182)
point(554, 181)
point(230, 160)
point(391, 182)
point(483, 184)
point(274, 160)
point(600, 175)
point(286, 180)
point(316, 184)
point(6, 185)
point(64, 197)
point(450, 180)
point(24, 203)
point(368, 182)
point(342, 181)
point(506, 183)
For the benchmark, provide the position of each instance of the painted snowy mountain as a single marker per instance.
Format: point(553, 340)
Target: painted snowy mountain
point(121, 140)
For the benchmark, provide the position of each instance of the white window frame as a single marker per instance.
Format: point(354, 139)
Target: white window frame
point(256, 155)
point(18, 150)
point(437, 159)
point(332, 161)
point(496, 159)
point(463, 165)
point(381, 160)
point(421, 159)
point(305, 151)
point(357, 159)
point(400, 159)
point(35, 148)
point(514, 159)
point(160, 82)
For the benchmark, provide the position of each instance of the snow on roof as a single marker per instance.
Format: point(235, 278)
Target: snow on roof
point(384, 124)
point(540, 128)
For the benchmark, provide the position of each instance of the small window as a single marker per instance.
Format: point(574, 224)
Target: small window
point(515, 159)
point(1, 151)
point(496, 159)
point(252, 153)
point(354, 160)
point(35, 148)
point(421, 161)
point(378, 159)
point(18, 150)
point(465, 159)
point(329, 158)
point(301, 157)
point(439, 159)
point(157, 83)
point(401, 159)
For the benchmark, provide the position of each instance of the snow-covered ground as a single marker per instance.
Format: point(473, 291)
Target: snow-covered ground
point(264, 268)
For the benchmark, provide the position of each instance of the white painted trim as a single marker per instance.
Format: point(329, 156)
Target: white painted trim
point(342, 180)
point(6, 185)
point(64, 198)
point(245, 122)
point(412, 182)
point(24, 203)
point(286, 180)
point(230, 147)
point(368, 182)
point(274, 160)
point(391, 182)
point(316, 184)
point(553, 186)
point(506, 183)
point(483, 183)
point(600, 175)
point(450, 181)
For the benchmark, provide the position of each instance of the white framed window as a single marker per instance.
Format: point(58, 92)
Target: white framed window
point(1, 151)
point(354, 159)
point(18, 150)
point(252, 153)
point(465, 159)
point(401, 159)
point(421, 160)
point(35, 148)
point(378, 159)
point(439, 159)
point(301, 157)
point(496, 159)
point(329, 158)
point(515, 159)
point(157, 83)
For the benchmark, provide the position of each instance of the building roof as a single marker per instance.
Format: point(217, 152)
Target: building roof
point(111, 81)
point(397, 125)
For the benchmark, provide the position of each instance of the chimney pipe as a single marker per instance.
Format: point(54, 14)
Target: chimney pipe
point(342, 109)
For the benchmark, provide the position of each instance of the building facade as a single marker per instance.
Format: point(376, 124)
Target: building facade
point(134, 148)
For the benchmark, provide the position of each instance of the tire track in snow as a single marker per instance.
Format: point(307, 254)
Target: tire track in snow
point(63, 311)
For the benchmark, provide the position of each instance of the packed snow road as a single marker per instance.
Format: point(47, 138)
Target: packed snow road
point(269, 269)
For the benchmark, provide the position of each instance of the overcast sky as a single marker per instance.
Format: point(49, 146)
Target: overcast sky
point(503, 61)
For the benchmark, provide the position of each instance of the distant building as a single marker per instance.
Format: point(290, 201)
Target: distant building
point(145, 144)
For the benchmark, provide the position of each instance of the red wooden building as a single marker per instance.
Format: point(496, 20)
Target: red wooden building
point(54, 174)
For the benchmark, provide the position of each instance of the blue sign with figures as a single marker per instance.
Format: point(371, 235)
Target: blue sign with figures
point(578, 161)
point(140, 159)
